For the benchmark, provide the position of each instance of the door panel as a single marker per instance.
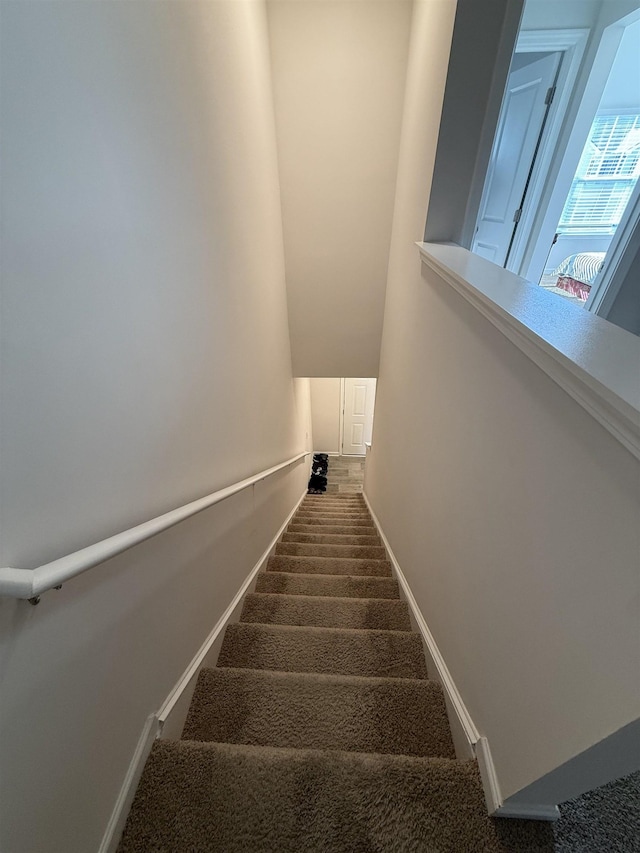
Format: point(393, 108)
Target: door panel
point(521, 123)
point(357, 425)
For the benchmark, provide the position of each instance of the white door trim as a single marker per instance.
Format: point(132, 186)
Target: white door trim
point(341, 439)
point(347, 447)
point(572, 44)
point(621, 252)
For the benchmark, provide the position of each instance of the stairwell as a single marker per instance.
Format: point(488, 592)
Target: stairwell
point(319, 728)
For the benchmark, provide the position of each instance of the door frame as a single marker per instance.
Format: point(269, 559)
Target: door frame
point(341, 445)
point(572, 44)
point(621, 252)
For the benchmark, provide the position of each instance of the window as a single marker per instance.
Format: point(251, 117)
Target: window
point(605, 177)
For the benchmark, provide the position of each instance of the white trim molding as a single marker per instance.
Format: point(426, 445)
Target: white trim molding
point(113, 832)
point(468, 742)
point(31, 583)
point(496, 806)
point(167, 723)
point(594, 361)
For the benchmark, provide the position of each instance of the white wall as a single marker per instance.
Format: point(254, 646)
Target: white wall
point(623, 84)
point(326, 402)
point(338, 76)
point(145, 362)
point(625, 311)
point(559, 14)
point(513, 514)
point(484, 37)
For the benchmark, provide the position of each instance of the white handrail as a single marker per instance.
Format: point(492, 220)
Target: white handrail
point(31, 583)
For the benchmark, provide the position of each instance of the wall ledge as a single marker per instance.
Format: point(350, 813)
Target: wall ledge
point(595, 362)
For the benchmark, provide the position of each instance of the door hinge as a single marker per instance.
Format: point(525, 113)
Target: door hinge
point(551, 91)
point(517, 215)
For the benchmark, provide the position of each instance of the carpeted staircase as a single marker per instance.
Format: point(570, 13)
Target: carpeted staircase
point(319, 729)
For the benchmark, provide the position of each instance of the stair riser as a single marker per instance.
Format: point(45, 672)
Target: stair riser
point(301, 549)
point(341, 521)
point(331, 529)
point(292, 583)
point(330, 539)
point(333, 504)
point(388, 716)
point(329, 566)
point(346, 499)
point(337, 513)
point(325, 612)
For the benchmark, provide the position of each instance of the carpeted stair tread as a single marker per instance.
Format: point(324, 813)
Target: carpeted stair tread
point(334, 502)
point(341, 651)
point(322, 611)
point(338, 500)
point(326, 506)
point(329, 565)
point(349, 530)
point(348, 586)
point(326, 497)
point(364, 525)
point(209, 797)
point(321, 549)
point(351, 514)
point(311, 711)
point(340, 519)
point(331, 538)
point(324, 512)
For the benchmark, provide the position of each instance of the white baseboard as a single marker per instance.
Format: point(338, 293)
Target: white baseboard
point(167, 723)
point(111, 837)
point(467, 740)
point(496, 806)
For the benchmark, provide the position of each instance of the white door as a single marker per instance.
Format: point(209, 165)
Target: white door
point(520, 127)
point(357, 418)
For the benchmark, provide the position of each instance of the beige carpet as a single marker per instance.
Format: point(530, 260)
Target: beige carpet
point(319, 729)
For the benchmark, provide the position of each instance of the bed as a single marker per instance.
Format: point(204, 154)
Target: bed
point(577, 273)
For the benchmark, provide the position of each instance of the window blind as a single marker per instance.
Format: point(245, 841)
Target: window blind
point(606, 175)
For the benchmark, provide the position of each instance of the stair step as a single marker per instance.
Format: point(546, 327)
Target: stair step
point(310, 711)
point(341, 651)
point(355, 512)
point(329, 503)
point(332, 520)
point(329, 565)
point(349, 530)
point(343, 586)
point(317, 549)
point(330, 538)
point(337, 499)
point(211, 797)
point(326, 612)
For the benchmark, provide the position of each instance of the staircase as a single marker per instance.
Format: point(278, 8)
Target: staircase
point(319, 729)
